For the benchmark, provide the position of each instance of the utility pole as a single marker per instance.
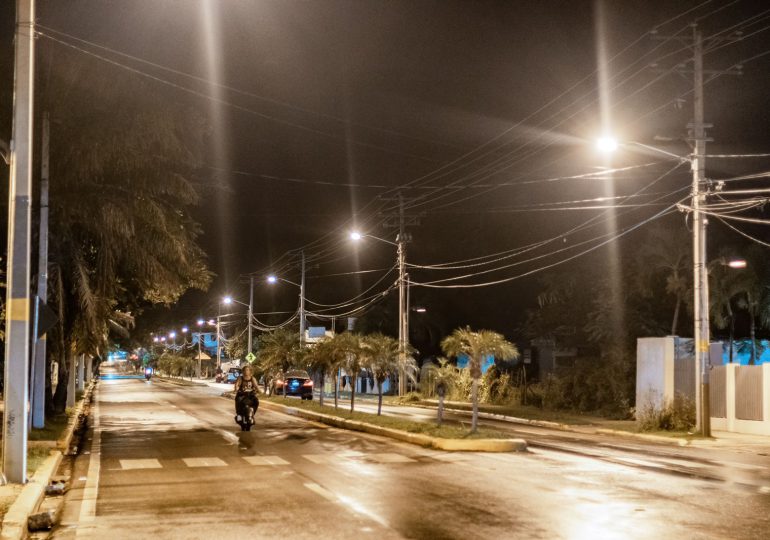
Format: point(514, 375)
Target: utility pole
point(700, 276)
point(17, 339)
point(219, 340)
point(39, 347)
point(400, 221)
point(251, 311)
point(697, 132)
point(302, 303)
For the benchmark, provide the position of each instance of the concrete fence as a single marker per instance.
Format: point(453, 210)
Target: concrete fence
point(739, 394)
point(743, 406)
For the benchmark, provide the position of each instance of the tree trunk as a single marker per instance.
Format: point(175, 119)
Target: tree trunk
point(336, 389)
point(732, 334)
point(440, 416)
point(379, 399)
point(475, 398)
point(322, 381)
point(60, 396)
point(753, 359)
point(353, 380)
point(675, 322)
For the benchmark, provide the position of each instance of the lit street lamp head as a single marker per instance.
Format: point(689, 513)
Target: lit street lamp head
point(606, 144)
point(201, 322)
point(185, 329)
point(227, 300)
point(272, 279)
point(172, 335)
point(737, 263)
point(355, 235)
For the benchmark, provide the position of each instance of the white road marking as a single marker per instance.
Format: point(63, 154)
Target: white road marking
point(347, 501)
point(91, 491)
point(204, 462)
point(130, 464)
point(389, 457)
point(265, 460)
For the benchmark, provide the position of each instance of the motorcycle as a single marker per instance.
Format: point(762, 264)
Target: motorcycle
point(246, 408)
point(148, 373)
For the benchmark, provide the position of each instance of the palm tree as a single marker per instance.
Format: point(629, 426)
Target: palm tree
point(348, 352)
point(278, 352)
point(477, 346)
point(321, 359)
point(725, 287)
point(442, 377)
point(121, 237)
point(381, 354)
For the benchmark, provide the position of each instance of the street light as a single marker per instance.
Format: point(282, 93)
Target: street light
point(737, 263)
point(403, 301)
point(701, 337)
point(229, 300)
point(185, 329)
point(272, 279)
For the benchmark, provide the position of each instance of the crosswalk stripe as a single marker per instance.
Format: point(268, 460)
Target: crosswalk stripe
point(265, 460)
point(389, 457)
point(204, 462)
point(127, 464)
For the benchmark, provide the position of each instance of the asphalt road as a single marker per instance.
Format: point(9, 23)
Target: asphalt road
point(164, 461)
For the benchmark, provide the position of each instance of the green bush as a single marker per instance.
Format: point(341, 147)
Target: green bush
point(678, 415)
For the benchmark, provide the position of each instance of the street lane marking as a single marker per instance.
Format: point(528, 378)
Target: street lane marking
point(389, 457)
point(347, 501)
point(204, 462)
point(129, 464)
point(265, 460)
point(91, 491)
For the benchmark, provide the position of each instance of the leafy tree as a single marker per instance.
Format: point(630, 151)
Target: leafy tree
point(477, 346)
point(666, 253)
point(442, 377)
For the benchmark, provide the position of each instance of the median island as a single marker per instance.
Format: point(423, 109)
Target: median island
point(428, 434)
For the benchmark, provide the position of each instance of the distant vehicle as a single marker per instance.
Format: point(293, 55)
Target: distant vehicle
point(294, 383)
point(148, 373)
point(232, 375)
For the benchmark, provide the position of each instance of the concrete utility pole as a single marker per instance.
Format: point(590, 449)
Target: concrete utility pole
point(302, 303)
point(251, 312)
point(39, 347)
point(17, 339)
point(219, 340)
point(700, 276)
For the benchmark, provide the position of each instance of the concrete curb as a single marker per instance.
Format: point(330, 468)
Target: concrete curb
point(14, 525)
point(678, 441)
point(450, 445)
point(65, 440)
point(179, 382)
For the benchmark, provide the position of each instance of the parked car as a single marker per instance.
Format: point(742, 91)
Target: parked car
point(294, 383)
point(232, 375)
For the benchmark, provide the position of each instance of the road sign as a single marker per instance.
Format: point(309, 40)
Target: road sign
point(251, 357)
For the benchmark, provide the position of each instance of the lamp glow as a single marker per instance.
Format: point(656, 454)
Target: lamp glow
point(272, 279)
point(227, 300)
point(737, 263)
point(355, 235)
point(607, 144)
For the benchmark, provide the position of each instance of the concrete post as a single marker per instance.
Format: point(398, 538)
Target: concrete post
point(89, 369)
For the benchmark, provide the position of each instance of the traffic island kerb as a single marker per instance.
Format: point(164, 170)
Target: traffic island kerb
point(438, 443)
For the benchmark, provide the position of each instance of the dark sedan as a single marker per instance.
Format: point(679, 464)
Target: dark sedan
point(294, 383)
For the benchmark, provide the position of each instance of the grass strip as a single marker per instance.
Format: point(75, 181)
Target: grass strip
point(393, 422)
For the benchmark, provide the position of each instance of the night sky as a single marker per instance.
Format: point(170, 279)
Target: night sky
point(473, 106)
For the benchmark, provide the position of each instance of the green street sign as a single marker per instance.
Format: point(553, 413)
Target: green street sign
point(251, 357)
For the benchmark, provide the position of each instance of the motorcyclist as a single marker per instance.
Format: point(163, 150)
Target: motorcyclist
point(246, 393)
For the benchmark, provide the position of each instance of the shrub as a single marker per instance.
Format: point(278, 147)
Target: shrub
point(676, 415)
